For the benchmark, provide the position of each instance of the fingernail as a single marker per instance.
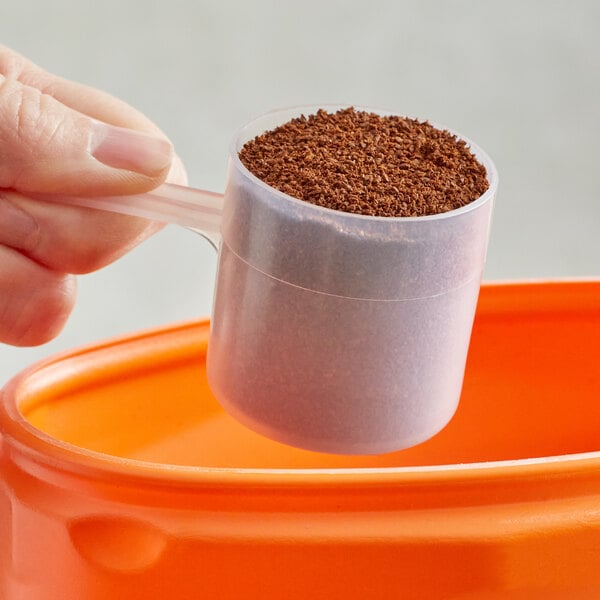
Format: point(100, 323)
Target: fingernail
point(19, 229)
point(123, 148)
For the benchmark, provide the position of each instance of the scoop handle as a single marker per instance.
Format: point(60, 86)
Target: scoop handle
point(169, 203)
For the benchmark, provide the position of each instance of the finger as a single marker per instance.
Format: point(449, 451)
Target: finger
point(35, 302)
point(47, 147)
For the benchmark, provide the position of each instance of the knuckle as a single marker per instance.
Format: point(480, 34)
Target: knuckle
point(29, 119)
point(30, 126)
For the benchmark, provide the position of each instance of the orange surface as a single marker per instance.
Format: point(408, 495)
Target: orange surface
point(153, 492)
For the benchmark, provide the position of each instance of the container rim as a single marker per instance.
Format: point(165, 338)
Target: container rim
point(35, 445)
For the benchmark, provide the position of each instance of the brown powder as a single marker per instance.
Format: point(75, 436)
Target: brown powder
point(361, 162)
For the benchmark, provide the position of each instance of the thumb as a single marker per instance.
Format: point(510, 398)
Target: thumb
point(47, 147)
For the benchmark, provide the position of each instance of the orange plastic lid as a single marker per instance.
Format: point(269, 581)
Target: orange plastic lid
point(505, 500)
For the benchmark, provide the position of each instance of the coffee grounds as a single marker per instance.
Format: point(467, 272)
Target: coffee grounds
point(364, 163)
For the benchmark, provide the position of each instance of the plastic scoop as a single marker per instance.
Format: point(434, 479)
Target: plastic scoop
point(331, 331)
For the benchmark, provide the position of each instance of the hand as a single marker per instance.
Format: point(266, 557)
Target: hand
point(62, 138)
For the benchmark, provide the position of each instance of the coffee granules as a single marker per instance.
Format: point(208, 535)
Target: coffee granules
point(365, 163)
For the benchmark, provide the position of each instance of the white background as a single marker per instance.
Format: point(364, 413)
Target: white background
point(521, 78)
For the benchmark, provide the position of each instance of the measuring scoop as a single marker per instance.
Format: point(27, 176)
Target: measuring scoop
point(331, 331)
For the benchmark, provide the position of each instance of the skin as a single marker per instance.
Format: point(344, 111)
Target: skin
point(46, 124)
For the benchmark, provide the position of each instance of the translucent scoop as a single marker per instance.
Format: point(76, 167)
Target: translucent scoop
point(331, 331)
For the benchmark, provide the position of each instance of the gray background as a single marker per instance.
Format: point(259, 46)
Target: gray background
point(522, 79)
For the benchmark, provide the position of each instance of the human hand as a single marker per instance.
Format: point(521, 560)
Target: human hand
point(62, 138)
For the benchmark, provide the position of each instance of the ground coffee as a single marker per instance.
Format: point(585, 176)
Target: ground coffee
point(365, 163)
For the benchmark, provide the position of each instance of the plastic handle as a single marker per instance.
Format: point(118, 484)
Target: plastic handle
point(169, 203)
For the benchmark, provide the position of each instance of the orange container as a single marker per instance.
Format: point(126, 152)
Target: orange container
point(121, 477)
